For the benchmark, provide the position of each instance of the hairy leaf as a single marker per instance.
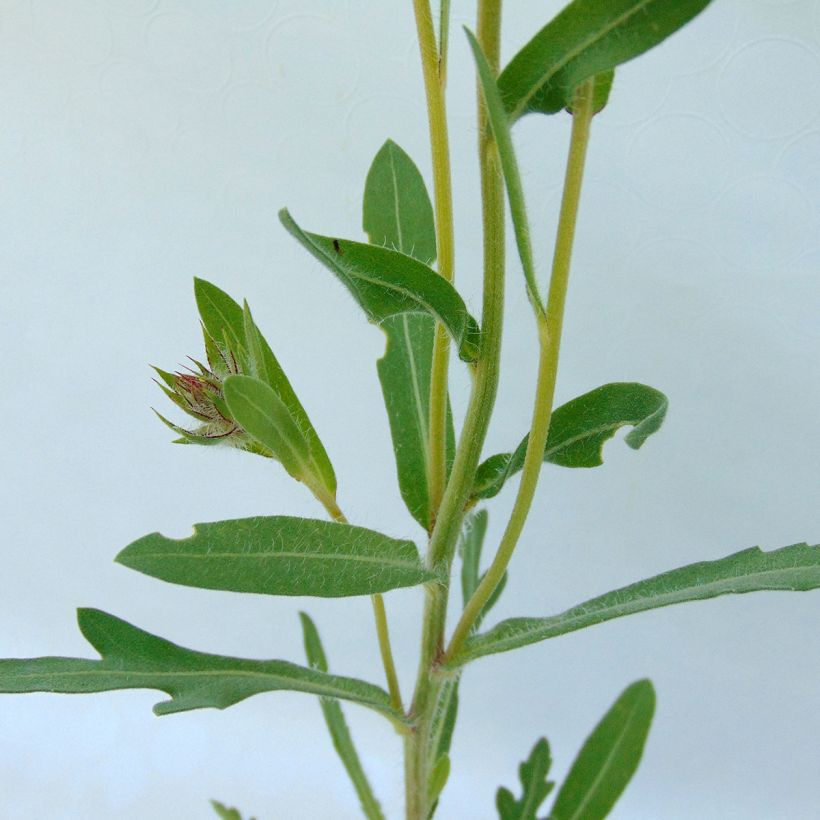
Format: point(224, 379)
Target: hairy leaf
point(225, 812)
point(608, 758)
point(397, 213)
point(337, 725)
point(500, 124)
point(280, 555)
point(535, 787)
point(580, 428)
point(262, 414)
point(586, 38)
point(472, 541)
point(404, 373)
point(223, 318)
point(134, 659)
point(795, 568)
point(385, 282)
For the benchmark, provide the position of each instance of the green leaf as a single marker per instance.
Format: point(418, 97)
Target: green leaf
point(579, 430)
point(586, 38)
point(404, 373)
point(601, 88)
point(535, 787)
point(280, 555)
point(472, 540)
point(609, 757)
point(385, 283)
point(133, 659)
point(262, 414)
point(470, 546)
point(500, 124)
point(226, 813)
point(337, 725)
point(397, 213)
point(438, 778)
point(223, 318)
point(795, 568)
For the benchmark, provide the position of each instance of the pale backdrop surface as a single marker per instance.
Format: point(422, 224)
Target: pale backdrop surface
point(144, 142)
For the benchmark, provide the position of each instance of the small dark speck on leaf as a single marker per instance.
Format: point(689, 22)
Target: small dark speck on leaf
point(337, 247)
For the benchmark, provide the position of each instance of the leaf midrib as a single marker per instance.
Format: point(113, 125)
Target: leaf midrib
point(573, 53)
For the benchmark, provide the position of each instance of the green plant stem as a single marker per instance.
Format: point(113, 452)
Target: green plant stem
point(379, 613)
point(482, 399)
point(549, 334)
point(433, 69)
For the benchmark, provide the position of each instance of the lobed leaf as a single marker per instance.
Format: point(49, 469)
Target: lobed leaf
point(280, 555)
point(579, 429)
point(608, 758)
point(535, 786)
point(337, 725)
point(134, 659)
point(586, 38)
point(385, 282)
point(795, 568)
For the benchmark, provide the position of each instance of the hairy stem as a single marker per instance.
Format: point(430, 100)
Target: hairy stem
point(482, 399)
point(549, 334)
point(432, 63)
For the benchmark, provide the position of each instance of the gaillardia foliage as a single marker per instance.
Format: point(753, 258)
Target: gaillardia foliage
point(400, 273)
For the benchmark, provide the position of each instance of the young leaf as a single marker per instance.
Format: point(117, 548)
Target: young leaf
point(397, 212)
point(280, 555)
point(385, 282)
point(795, 568)
point(586, 38)
point(226, 813)
point(500, 125)
point(262, 414)
point(579, 429)
point(223, 318)
point(608, 758)
point(472, 541)
point(444, 719)
point(133, 659)
point(535, 787)
point(337, 725)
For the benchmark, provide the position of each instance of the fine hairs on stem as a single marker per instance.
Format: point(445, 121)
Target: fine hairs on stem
point(401, 274)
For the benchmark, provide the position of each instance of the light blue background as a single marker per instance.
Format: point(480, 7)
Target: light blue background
point(145, 142)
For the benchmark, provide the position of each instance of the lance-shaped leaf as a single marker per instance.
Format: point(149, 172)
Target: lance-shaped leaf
point(280, 555)
point(470, 546)
point(337, 725)
point(385, 282)
point(586, 38)
point(579, 429)
point(397, 214)
point(226, 812)
point(405, 373)
point(224, 319)
point(500, 124)
point(795, 568)
point(134, 659)
point(262, 414)
point(608, 758)
point(534, 786)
